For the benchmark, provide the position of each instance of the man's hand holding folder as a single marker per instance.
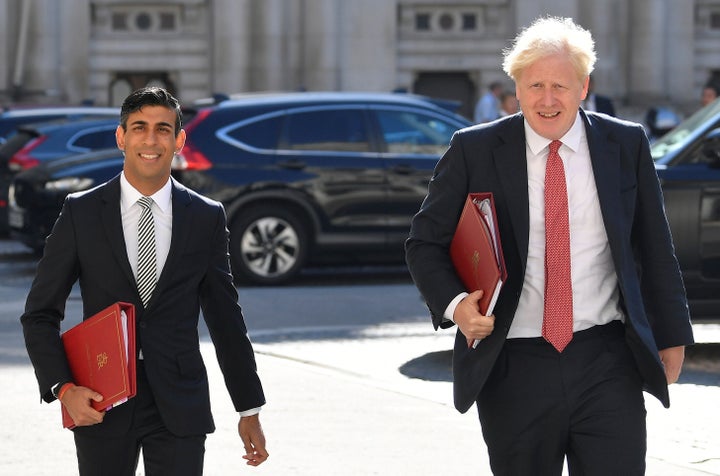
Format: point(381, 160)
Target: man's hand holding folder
point(76, 401)
point(101, 354)
point(474, 325)
point(476, 253)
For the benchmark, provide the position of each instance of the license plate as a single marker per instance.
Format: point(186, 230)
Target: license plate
point(16, 219)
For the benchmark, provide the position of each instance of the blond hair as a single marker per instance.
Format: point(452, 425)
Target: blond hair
point(550, 36)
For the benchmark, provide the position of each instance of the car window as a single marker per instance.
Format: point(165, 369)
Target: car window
point(410, 132)
point(343, 130)
point(685, 132)
point(262, 134)
point(93, 140)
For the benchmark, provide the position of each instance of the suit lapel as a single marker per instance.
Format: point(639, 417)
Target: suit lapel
point(511, 165)
point(181, 228)
point(112, 225)
point(605, 160)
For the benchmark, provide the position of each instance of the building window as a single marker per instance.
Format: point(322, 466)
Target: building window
point(469, 21)
point(715, 21)
point(119, 21)
point(446, 22)
point(161, 19)
point(422, 21)
point(167, 21)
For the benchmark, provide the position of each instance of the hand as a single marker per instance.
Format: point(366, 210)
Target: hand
point(253, 439)
point(472, 324)
point(77, 403)
point(672, 358)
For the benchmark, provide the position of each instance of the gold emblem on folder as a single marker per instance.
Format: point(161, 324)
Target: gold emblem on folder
point(102, 360)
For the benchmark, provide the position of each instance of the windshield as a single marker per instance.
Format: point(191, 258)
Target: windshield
point(683, 132)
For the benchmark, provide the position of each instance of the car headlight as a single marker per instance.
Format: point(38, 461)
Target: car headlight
point(69, 184)
point(11, 195)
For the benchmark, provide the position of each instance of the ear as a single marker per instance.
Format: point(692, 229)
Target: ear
point(180, 141)
point(586, 85)
point(120, 137)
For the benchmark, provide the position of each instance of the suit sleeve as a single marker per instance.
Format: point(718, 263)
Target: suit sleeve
point(432, 229)
point(660, 276)
point(225, 321)
point(56, 273)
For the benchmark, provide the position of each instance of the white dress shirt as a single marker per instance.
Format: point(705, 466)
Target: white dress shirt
point(130, 211)
point(594, 282)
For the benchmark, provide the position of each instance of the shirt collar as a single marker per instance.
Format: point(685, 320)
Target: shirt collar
point(571, 138)
point(129, 194)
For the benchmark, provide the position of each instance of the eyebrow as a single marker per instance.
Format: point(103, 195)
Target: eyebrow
point(145, 123)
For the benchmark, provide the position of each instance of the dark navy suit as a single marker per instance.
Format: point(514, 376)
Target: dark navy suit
point(491, 158)
point(87, 244)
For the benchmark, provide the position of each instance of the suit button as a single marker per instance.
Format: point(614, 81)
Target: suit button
point(142, 325)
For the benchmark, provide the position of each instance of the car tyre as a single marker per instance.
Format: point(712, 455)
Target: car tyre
point(268, 245)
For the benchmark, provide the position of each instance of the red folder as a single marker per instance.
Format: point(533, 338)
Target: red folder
point(476, 251)
point(101, 354)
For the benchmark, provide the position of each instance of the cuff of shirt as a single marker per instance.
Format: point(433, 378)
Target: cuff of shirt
point(450, 310)
point(251, 412)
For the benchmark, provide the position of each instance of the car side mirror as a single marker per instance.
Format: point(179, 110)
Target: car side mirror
point(711, 148)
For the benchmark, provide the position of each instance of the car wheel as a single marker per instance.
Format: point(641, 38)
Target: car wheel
point(268, 245)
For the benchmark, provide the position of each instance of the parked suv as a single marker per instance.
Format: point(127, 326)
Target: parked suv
point(306, 178)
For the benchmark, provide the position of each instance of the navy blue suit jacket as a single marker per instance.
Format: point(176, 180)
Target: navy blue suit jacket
point(87, 244)
point(491, 158)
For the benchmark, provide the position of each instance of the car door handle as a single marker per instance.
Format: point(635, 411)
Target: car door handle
point(403, 169)
point(292, 164)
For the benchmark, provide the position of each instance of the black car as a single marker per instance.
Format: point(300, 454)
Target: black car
point(687, 160)
point(34, 143)
point(305, 178)
point(290, 205)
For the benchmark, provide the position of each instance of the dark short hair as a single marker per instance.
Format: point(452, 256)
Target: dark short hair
point(150, 96)
point(713, 84)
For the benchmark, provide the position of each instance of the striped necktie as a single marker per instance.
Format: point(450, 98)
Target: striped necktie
point(146, 265)
point(557, 326)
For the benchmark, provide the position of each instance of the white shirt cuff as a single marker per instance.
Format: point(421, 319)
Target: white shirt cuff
point(450, 310)
point(251, 412)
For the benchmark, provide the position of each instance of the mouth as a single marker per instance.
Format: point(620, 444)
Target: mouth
point(549, 115)
point(149, 156)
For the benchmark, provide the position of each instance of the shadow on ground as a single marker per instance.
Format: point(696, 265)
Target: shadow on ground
point(702, 366)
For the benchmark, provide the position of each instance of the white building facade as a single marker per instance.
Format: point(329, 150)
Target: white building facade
point(70, 51)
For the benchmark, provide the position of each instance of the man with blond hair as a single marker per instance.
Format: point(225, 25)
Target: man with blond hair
point(593, 310)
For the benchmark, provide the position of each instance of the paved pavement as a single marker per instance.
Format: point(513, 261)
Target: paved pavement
point(358, 402)
point(348, 407)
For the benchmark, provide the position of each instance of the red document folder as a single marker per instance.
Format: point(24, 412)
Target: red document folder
point(101, 354)
point(476, 251)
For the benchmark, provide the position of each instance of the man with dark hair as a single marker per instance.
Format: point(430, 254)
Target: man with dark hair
point(144, 239)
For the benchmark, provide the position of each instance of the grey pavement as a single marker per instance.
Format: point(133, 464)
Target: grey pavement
point(353, 401)
point(345, 407)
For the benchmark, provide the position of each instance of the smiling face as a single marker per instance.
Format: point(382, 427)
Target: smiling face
point(550, 92)
point(149, 142)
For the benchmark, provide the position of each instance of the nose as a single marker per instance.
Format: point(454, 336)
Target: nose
point(150, 137)
point(548, 98)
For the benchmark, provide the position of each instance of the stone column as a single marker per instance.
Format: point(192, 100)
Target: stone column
point(72, 49)
point(368, 49)
point(679, 34)
point(230, 34)
point(321, 53)
point(648, 43)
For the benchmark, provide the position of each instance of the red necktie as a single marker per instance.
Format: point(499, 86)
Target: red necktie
point(557, 326)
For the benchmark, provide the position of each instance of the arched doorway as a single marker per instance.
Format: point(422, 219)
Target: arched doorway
point(452, 85)
point(127, 82)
